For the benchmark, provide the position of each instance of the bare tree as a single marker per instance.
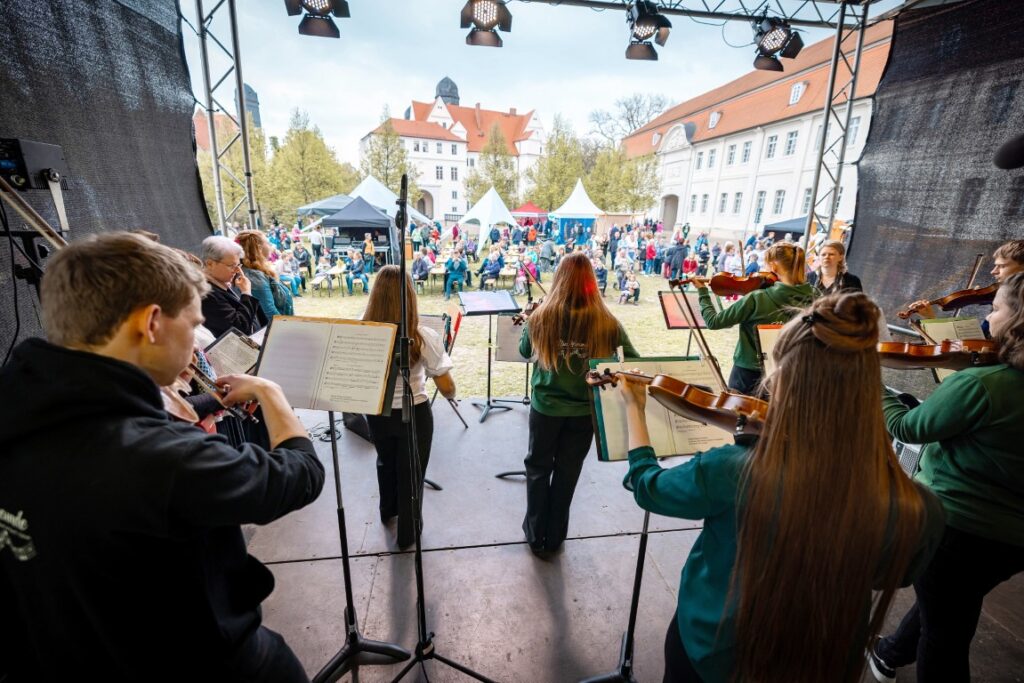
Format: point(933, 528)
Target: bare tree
point(630, 113)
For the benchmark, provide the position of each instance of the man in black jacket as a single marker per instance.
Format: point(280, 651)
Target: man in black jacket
point(121, 554)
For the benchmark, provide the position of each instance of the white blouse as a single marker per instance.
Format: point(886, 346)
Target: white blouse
point(433, 362)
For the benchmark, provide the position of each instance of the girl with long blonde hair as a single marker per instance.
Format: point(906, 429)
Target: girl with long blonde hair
point(779, 585)
point(427, 358)
point(569, 328)
point(766, 306)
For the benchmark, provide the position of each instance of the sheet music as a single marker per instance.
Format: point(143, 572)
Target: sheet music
point(329, 364)
point(670, 434)
point(939, 329)
point(232, 354)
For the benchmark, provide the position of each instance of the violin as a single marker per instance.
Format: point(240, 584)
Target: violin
point(727, 284)
point(208, 385)
point(959, 299)
point(521, 317)
point(176, 405)
point(735, 413)
point(950, 354)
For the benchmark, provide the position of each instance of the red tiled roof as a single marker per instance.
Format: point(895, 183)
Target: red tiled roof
point(762, 97)
point(421, 129)
point(478, 124)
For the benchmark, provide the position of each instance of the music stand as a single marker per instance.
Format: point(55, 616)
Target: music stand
point(675, 317)
point(489, 304)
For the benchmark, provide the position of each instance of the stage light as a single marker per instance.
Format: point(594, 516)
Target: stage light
point(644, 51)
point(763, 63)
point(485, 17)
point(775, 38)
point(318, 21)
point(645, 22)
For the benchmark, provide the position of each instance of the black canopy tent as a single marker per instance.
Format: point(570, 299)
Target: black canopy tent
point(358, 218)
point(794, 226)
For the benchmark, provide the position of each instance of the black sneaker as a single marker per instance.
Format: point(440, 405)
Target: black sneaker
point(882, 672)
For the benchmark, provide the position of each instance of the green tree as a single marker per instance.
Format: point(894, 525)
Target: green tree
point(496, 168)
point(385, 159)
point(555, 173)
point(303, 170)
point(618, 183)
point(641, 183)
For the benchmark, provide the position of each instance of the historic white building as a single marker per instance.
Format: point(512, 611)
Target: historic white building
point(444, 139)
point(743, 155)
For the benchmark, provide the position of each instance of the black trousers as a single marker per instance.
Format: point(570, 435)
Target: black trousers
point(558, 446)
point(263, 658)
point(393, 476)
point(938, 629)
point(744, 380)
point(678, 668)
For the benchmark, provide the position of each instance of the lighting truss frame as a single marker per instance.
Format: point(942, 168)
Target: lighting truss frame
point(212, 105)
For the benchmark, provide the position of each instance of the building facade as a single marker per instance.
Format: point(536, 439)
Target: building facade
point(443, 141)
point(743, 155)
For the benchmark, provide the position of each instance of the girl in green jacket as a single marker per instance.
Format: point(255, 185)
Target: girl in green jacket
point(768, 306)
point(797, 535)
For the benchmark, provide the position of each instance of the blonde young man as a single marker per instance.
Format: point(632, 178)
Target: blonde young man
point(125, 559)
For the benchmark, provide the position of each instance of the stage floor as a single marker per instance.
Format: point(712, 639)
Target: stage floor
point(493, 606)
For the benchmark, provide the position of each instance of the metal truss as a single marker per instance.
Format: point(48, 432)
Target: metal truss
point(837, 111)
point(213, 105)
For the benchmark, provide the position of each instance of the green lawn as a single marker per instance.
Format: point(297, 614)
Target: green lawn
point(644, 324)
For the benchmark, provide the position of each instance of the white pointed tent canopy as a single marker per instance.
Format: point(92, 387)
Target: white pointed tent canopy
point(377, 193)
point(578, 208)
point(489, 210)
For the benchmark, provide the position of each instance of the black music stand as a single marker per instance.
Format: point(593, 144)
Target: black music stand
point(675, 317)
point(489, 304)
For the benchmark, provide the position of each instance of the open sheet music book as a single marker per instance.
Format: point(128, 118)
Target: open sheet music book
point(939, 329)
point(670, 433)
point(331, 364)
point(233, 353)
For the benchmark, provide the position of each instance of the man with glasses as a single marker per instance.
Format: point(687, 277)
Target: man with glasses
point(229, 303)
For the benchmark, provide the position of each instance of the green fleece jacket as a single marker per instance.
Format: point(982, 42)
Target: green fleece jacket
point(563, 392)
point(706, 487)
point(973, 428)
point(768, 306)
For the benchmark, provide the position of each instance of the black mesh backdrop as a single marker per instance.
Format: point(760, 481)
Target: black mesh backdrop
point(107, 81)
point(930, 198)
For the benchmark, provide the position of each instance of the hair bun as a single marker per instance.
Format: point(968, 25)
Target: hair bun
point(846, 322)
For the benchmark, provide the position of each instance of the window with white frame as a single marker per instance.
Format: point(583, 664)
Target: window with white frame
point(703, 203)
point(439, 172)
point(853, 130)
point(439, 146)
point(693, 203)
point(796, 92)
point(759, 206)
point(737, 202)
point(780, 201)
point(415, 145)
point(712, 153)
point(807, 202)
point(700, 160)
point(745, 157)
point(723, 202)
point(730, 155)
point(817, 138)
point(455, 150)
point(455, 195)
point(455, 209)
point(455, 172)
point(472, 163)
point(773, 142)
point(713, 120)
point(791, 137)
point(839, 197)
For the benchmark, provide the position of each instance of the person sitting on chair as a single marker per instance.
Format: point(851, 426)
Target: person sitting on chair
point(356, 270)
point(630, 290)
point(490, 270)
point(601, 273)
point(457, 270)
point(420, 268)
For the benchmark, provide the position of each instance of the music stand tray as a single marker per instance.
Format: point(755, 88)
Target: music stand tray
point(489, 304)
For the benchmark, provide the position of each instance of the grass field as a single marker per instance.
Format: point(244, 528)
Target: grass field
point(644, 323)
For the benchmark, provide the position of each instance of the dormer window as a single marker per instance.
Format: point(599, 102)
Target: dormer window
point(716, 116)
point(797, 92)
point(656, 138)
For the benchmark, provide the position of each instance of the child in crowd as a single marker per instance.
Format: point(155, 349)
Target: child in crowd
point(630, 290)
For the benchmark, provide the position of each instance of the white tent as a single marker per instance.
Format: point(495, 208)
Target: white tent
point(578, 205)
point(377, 193)
point(488, 211)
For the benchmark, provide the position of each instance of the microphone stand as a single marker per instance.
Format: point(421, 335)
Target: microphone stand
point(425, 646)
point(526, 399)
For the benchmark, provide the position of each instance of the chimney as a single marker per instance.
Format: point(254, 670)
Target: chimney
point(479, 124)
point(512, 111)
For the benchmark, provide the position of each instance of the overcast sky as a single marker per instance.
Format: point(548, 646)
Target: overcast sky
point(567, 60)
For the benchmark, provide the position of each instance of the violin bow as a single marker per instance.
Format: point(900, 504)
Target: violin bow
point(978, 260)
point(702, 343)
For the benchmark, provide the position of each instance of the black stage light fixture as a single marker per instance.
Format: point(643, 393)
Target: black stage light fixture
point(775, 38)
point(645, 23)
point(485, 17)
point(318, 21)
